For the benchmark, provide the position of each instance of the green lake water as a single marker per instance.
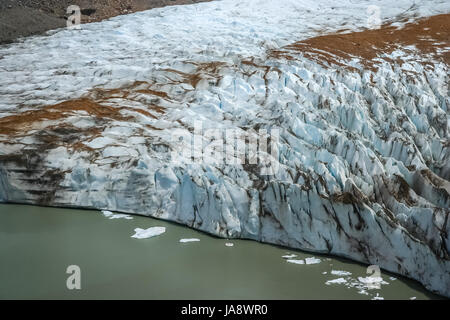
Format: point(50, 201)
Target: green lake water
point(38, 244)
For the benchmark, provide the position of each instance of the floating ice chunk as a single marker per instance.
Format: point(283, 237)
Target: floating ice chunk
point(296, 261)
point(121, 216)
point(229, 244)
point(111, 215)
point(364, 292)
point(341, 273)
point(189, 240)
point(377, 297)
point(289, 256)
point(336, 281)
point(392, 278)
point(148, 233)
point(372, 282)
point(107, 213)
point(413, 298)
point(312, 260)
point(324, 272)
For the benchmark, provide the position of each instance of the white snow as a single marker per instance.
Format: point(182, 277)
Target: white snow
point(148, 233)
point(113, 151)
point(100, 142)
point(130, 47)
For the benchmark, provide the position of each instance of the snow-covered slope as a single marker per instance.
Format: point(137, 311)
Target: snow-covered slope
point(359, 154)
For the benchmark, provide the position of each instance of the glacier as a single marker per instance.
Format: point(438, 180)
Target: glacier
point(92, 118)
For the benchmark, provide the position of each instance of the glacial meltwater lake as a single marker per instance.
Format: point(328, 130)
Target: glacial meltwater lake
point(38, 244)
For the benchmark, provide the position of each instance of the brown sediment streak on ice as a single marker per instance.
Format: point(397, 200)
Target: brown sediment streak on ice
point(98, 105)
point(203, 70)
point(107, 105)
point(430, 36)
point(29, 120)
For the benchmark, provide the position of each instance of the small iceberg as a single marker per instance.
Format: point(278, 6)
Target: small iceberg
point(121, 216)
point(111, 215)
point(289, 256)
point(378, 297)
point(148, 233)
point(229, 244)
point(336, 281)
point(364, 292)
point(372, 280)
point(312, 260)
point(340, 273)
point(296, 261)
point(189, 240)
